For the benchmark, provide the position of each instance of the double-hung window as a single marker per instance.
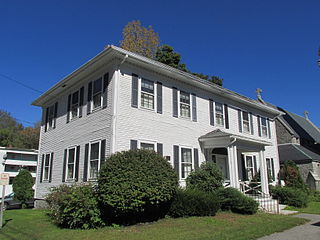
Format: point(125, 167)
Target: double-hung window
point(186, 162)
point(97, 94)
point(147, 146)
point(147, 94)
point(270, 168)
point(75, 105)
point(219, 114)
point(94, 160)
point(245, 122)
point(71, 163)
point(264, 127)
point(46, 167)
point(185, 110)
point(250, 168)
point(51, 117)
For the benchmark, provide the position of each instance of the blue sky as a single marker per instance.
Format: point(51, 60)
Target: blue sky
point(267, 44)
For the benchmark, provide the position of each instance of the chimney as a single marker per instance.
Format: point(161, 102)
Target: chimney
point(306, 114)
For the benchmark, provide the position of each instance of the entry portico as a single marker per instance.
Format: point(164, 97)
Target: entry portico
point(240, 153)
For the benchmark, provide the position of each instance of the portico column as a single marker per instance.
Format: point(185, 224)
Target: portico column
point(263, 173)
point(233, 166)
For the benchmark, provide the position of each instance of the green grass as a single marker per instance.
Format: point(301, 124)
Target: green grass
point(313, 208)
point(34, 224)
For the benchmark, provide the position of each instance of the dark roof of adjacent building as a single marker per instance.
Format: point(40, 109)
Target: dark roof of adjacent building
point(296, 153)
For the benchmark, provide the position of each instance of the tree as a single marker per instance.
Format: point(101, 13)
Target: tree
point(139, 39)
point(165, 54)
point(292, 176)
point(22, 187)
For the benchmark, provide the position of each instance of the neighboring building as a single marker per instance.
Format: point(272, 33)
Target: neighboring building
point(14, 159)
point(120, 100)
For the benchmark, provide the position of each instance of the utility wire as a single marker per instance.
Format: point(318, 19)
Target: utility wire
point(20, 83)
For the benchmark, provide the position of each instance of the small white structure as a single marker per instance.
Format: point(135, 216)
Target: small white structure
point(14, 159)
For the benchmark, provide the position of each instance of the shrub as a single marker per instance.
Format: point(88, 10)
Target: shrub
point(192, 202)
point(314, 196)
point(234, 200)
point(292, 176)
point(74, 206)
point(22, 186)
point(290, 196)
point(136, 186)
point(207, 178)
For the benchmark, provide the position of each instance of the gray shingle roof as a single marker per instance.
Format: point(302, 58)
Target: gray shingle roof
point(296, 153)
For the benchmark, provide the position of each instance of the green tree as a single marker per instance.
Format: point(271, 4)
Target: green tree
point(22, 186)
point(139, 39)
point(165, 54)
point(292, 176)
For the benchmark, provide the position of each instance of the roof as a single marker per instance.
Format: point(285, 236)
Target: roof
point(296, 153)
point(111, 52)
point(14, 149)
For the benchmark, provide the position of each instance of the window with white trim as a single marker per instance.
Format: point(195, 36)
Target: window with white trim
point(71, 161)
point(249, 164)
point(264, 127)
point(185, 110)
point(186, 162)
point(270, 168)
point(245, 122)
point(147, 94)
point(147, 146)
point(97, 94)
point(94, 159)
point(74, 111)
point(51, 117)
point(46, 166)
point(219, 114)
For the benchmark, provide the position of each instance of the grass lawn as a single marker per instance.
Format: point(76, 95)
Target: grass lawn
point(34, 224)
point(313, 208)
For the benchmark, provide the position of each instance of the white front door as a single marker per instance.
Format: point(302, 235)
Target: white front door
point(222, 163)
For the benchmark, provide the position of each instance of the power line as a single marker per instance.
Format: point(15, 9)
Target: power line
point(20, 83)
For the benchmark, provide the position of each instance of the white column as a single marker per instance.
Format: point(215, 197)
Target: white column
point(230, 163)
point(264, 173)
point(235, 166)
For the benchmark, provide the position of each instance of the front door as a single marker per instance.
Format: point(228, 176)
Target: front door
point(222, 163)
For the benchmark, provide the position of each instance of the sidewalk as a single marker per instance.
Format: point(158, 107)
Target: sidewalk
point(308, 231)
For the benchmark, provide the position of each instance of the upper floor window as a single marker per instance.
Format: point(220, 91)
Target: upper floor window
point(186, 162)
point(50, 117)
point(245, 122)
point(71, 163)
point(46, 166)
point(219, 114)
point(264, 127)
point(185, 110)
point(94, 160)
point(147, 94)
point(97, 94)
point(75, 105)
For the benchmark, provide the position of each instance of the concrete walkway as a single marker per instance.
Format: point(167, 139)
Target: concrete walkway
point(308, 231)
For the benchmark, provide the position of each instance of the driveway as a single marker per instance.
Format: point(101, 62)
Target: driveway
point(308, 231)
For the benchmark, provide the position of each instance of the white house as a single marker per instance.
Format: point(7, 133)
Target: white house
point(14, 159)
point(120, 100)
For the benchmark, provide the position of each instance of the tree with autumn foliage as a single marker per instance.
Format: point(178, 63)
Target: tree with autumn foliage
point(292, 176)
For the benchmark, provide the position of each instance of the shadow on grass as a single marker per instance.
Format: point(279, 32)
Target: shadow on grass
point(317, 224)
point(13, 232)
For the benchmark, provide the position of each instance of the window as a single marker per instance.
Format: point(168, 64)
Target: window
point(147, 146)
point(97, 94)
point(75, 105)
point(186, 162)
point(94, 160)
point(245, 122)
point(219, 114)
point(46, 167)
point(249, 164)
point(51, 117)
point(264, 127)
point(147, 94)
point(270, 168)
point(71, 163)
point(185, 104)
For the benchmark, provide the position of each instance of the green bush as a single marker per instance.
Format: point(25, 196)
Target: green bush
point(292, 176)
point(207, 178)
point(314, 196)
point(136, 186)
point(74, 206)
point(22, 186)
point(234, 200)
point(290, 196)
point(192, 202)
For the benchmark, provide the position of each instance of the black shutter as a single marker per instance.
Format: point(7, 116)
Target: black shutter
point(159, 97)
point(240, 120)
point(133, 144)
point(76, 177)
point(42, 166)
point(64, 166)
point(46, 123)
point(251, 124)
point(81, 101)
point(196, 158)
point(89, 98)
point(272, 169)
point(194, 107)
point(103, 153)
point(174, 102)
point(259, 126)
point(51, 166)
point(105, 90)
point(55, 114)
point(211, 112)
point(160, 149)
point(134, 89)
point(68, 108)
point(176, 159)
point(86, 159)
point(226, 116)
point(255, 165)
point(269, 130)
point(244, 170)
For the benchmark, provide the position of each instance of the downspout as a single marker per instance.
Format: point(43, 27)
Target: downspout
point(115, 103)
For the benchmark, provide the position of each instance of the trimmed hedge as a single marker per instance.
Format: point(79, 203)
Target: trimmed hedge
point(290, 196)
point(22, 187)
point(136, 186)
point(192, 202)
point(234, 200)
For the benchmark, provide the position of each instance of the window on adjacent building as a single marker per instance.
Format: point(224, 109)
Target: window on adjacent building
point(147, 94)
point(219, 114)
point(75, 105)
point(270, 168)
point(185, 104)
point(245, 122)
point(186, 162)
point(71, 163)
point(51, 117)
point(94, 160)
point(46, 167)
point(264, 127)
point(97, 94)
point(147, 146)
